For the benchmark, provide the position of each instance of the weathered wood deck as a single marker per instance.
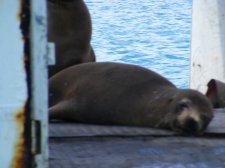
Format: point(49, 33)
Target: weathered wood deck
point(91, 146)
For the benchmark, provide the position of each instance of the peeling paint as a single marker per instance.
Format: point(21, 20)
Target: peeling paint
point(13, 85)
point(19, 151)
point(19, 14)
point(19, 115)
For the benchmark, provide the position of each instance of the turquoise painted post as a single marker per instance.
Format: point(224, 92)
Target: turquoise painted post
point(13, 85)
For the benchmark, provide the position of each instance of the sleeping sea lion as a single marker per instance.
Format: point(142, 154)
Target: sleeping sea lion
point(124, 94)
point(69, 27)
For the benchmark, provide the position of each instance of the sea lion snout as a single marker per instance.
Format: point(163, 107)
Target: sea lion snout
point(192, 126)
point(188, 124)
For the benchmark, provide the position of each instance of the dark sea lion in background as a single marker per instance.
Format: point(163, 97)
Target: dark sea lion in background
point(123, 94)
point(69, 27)
point(216, 93)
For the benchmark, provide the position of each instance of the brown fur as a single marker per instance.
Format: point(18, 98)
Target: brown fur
point(216, 93)
point(123, 94)
point(69, 27)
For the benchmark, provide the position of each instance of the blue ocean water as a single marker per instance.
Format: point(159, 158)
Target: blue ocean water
point(151, 33)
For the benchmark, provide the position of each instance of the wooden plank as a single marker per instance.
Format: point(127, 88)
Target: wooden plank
point(76, 130)
point(149, 152)
point(217, 126)
point(82, 146)
point(60, 129)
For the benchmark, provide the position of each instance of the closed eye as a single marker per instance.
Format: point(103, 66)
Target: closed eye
point(184, 105)
point(181, 106)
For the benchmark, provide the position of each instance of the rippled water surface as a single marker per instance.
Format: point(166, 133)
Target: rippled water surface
point(151, 33)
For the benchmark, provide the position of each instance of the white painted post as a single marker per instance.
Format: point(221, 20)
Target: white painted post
point(207, 43)
point(13, 85)
point(39, 63)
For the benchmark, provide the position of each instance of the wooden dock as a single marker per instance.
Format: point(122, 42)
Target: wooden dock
point(93, 146)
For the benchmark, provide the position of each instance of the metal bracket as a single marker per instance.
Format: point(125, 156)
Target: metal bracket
point(36, 137)
point(51, 53)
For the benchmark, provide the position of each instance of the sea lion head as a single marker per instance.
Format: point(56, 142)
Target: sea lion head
point(193, 112)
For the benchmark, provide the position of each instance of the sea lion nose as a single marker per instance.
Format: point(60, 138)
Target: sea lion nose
point(190, 125)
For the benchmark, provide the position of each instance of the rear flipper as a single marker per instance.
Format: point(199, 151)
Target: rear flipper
point(62, 111)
